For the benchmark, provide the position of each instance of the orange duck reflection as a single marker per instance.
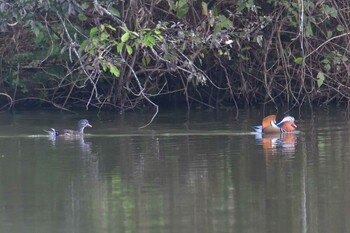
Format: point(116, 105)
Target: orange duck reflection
point(285, 142)
point(277, 137)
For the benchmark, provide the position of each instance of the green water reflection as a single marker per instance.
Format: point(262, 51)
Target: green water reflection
point(198, 174)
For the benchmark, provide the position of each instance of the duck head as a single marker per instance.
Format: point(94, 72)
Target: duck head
point(82, 124)
point(287, 124)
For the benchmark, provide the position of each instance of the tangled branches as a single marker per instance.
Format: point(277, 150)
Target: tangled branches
point(127, 55)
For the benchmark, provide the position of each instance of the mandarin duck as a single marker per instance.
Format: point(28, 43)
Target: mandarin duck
point(269, 125)
point(69, 132)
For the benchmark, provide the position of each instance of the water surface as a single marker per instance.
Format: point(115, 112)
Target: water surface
point(203, 172)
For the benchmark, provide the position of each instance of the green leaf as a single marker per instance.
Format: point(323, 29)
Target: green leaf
point(129, 49)
point(93, 31)
point(327, 67)
point(181, 8)
point(340, 28)
point(114, 11)
point(308, 30)
point(84, 6)
point(120, 47)
point(37, 30)
point(104, 36)
point(104, 67)
point(245, 5)
point(82, 17)
point(111, 27)
point(124, 29)
point(333, 12)
point(298, 60)
point(167, 57)
point(320, 78)
point(204, 8)
point(114, 70)
point(329, 11)
point(146, 60)
point(325, 61)
point(336, 60)
point(247, 48)
point(135, 33)
point(149, 40)
point(242, 57)
point(226, 23)
point(125, 37)
point(329, 34)
point(95, 41)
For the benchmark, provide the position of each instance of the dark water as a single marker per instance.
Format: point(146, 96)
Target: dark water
point(202, 173)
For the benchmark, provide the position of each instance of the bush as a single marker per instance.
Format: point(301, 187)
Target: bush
point(124, 55)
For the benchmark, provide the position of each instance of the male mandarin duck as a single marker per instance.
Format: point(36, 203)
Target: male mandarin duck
point(270, 126)
point(69, 132)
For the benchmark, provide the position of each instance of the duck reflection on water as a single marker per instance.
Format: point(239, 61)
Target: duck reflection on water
point(274, 143)
point(275, 137)
point(85, 147)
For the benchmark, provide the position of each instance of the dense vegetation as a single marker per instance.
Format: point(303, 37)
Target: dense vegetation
point(133, 54)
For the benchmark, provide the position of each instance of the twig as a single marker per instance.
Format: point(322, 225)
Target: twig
point(142, 93)
point(327, 41)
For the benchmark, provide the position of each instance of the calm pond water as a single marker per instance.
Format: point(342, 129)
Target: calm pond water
point(206, 172)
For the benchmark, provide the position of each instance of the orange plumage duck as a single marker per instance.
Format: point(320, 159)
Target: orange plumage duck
point(269, 125)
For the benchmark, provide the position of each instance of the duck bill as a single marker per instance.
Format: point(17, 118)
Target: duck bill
point(294, 126)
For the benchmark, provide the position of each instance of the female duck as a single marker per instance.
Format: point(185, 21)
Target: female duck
point(71, 133)
point(270, 126)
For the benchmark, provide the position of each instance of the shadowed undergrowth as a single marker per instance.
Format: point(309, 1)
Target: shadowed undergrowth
point(126, 55)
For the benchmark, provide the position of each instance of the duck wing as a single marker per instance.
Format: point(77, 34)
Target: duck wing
point(65, 132)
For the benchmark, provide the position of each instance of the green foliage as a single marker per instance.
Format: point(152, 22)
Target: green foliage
point(340, 28)
point(149, 40)
point(181, 8)
point(320, 78)
point(99, 41)
point(329, 11)
point(243, 5)
point(298, 60)
point(114, 70)
point(334, 60)
point(105, 36)
point(223, 23)
point(82, 17)
point(125, 37)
